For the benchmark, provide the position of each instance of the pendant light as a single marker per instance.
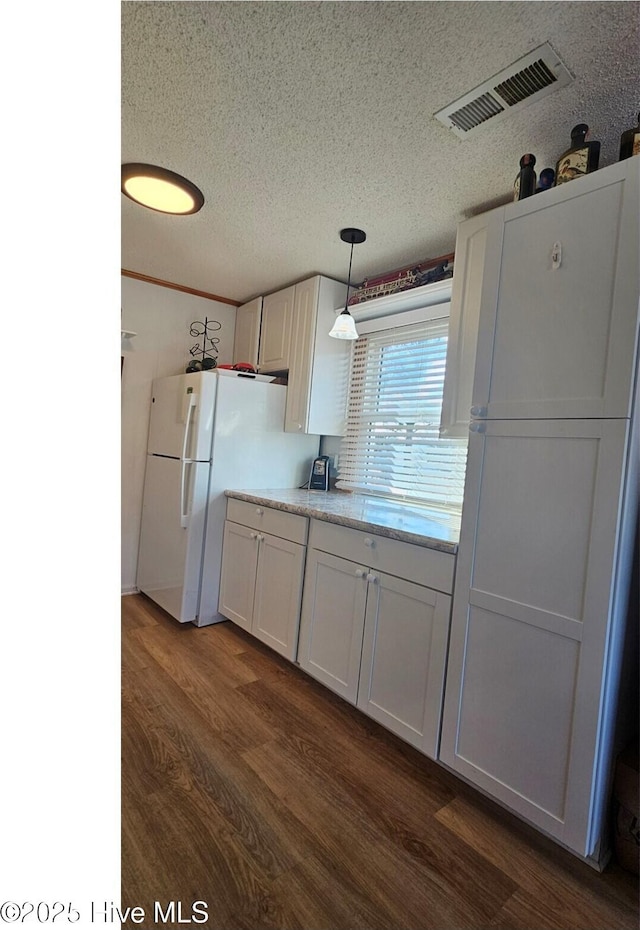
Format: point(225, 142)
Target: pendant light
point(344, 326)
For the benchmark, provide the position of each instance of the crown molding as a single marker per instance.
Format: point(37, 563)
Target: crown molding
point(178, 287)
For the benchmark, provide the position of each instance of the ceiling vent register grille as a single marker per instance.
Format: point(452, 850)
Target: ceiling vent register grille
point(476, 112)
point(529, 79)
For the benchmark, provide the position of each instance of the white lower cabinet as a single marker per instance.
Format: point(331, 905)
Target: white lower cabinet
point(262, 574)
point(332, 621)
point(532, 624)
point(276, 606)
point(239, 571)
point(404, 653)
point(376, 639)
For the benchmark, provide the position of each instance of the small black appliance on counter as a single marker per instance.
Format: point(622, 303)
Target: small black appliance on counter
point(319, 477)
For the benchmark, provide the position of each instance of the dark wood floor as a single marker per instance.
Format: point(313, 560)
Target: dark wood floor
point(248, 786)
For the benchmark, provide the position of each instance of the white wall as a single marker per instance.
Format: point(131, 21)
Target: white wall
point(161, 317)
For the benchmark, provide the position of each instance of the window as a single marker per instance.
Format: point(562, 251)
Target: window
point(392, 444)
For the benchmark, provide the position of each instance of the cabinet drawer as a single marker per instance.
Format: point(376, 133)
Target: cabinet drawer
point(289, 526)
point(428, 567)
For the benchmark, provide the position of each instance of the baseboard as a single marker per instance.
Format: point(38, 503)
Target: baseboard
point(128, 590)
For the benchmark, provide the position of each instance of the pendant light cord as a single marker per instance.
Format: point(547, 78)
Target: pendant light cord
point(346, 305)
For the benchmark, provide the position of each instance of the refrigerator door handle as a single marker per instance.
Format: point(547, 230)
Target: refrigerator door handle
point(184, 490)
point(191, 400)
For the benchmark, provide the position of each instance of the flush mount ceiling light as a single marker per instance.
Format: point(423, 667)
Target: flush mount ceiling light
point(344, 326)
point(160, 189)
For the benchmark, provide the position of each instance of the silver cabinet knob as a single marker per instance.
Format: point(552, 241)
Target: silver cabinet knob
point(477, 427)
point(372, 578)
point(478, 411)
point(259, 511)
point(360, 573)
point(369, 543)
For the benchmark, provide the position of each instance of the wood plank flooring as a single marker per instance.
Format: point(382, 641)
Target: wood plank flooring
point(247, 785)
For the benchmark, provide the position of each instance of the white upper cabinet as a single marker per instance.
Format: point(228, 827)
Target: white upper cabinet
point(276, 330)
point(559, 302)
point(319, 364)
point(294, 337)
point(463, 322)
point(302, 343)
point(247, 332)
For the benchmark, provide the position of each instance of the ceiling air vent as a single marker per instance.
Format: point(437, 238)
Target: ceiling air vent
point(529, 79)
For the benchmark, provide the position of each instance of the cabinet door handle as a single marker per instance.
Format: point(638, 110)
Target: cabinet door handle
point(260, 537)
point(254, 535)
point(259, 511)
point(478, 411)
point(369, 543)
point(372, 579)
point(477, 427)
point(360, 573)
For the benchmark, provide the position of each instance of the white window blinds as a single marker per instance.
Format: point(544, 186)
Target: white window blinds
point(392, 445)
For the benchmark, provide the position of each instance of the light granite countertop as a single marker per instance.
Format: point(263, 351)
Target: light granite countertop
point(422, 526)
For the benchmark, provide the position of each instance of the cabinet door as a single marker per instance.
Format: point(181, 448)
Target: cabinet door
point(333, 605)
point(276, 610)
point(463, 322)
point(275, 335)
point(299, 386)
point(238, 574)
point(530, 624)
point(403, 659)
point(247, 332)
point(319, 365)
point(327, 402)
point(559, 304)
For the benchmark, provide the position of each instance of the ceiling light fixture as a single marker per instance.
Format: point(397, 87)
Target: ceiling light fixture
point(160, 189)
point(344, 326)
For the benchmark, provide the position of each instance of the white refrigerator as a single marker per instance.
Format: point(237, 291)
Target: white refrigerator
point(208, 432)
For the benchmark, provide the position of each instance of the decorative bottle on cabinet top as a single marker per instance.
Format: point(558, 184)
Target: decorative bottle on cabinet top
point(630, 141)
point(581, 158)
point(545, 180)
point(525, 182)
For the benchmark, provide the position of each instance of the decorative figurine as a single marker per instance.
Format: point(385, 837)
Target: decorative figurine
point(545, 180)
point(525, 182)
point(630, 142)
point(580, 159)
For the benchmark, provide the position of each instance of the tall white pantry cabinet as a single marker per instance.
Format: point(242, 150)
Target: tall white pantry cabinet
point(542, 584)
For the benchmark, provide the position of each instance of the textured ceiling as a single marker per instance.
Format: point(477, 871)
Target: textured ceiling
point(296, 119)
